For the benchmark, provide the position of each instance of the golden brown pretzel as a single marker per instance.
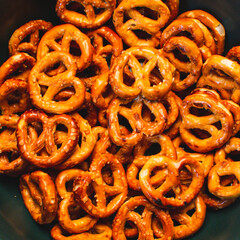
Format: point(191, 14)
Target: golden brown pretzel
point(142, 19)
point(216, 28)
point(142, 82)
point(17, 66)
point(157, 194)
point(14, 96)
point(234, 54)
point(141, 220)
point(46, 139)
point(54, 84)
point(201, 111)
point(60, 38)
point(32, 30)
point(173, 6)
point(192, 68)
point(39, 196)
point(117, 191)
point(90, 18)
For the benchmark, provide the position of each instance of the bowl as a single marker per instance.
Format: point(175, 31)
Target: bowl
point(15, 221)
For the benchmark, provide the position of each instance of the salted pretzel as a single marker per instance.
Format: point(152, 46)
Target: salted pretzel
point(200, 112)
point(39, 196)
point(234, 54)
point(67, 11)
point(98, 232)
point(61, 38)
point(17, 66)
point(157, 194)
point(10, 161)
point(54, 84)
point(162, 145)
point(142, 19)
point(135, 116)
point(192, 68)
point(84, 147)
point(141, 221)
point(221, 74)
point(112, 48)
point(46, 140)
point(216, 28)
point(187, 224)
point(116, 191)
point(32, 29)
point(142, 84)
point(14, 96)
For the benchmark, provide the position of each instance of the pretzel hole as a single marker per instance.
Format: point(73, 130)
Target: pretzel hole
point(148, 12)
point(89, 72)
point(128, 78)
point(64, 94)
point(180, 56)
point(141, 34)
point(234, 156)
point(186, 148)
point(55, 69)
point(200, 133)
point(130, 229)
point(155, 77)
point(76, 7)
point(228, 180)
point(125, 17)
point(157, 227)
point(199, 110)
point(124, 122)
point(191, 211)
point(185, 34)
point(153, 149)
point(15, 97)
point(7, 157)
point(75, 212)
point(75, 49)
point(107, 175)
point(220, 73)
point(147, 114)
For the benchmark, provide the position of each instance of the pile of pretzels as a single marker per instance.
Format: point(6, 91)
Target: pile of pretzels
point(122, 122)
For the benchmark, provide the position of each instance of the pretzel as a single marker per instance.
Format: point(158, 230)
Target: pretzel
point(192, 68)
point(234, 54)
point(141, 220)
point(98, 232)
point(165, 147)
point(32, 30)
point(45, 140)
point(39, 77)
point(140, 125)
point(17, 66)
point(39, 196)
point(222, 75)
point(117, 191)
point(173, 6)
point(112, 48)
point(156, 194)
point(197, 129)
point(90, 18)
point(142, 20)
point(61, 38)
point(216, 28)
point(187, 224)
point(142, 83)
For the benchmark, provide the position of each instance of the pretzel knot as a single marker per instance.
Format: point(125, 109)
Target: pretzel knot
point(43, 152)
point(108, 198)
point(154, 65)
point(141, 220)
point(149, 19)
point(32, 30)
point(68, 12)
point(40, 196)
point(171, 183)
point(62, 38)
point(140, 123)
point(39, 81)
point(206, 123)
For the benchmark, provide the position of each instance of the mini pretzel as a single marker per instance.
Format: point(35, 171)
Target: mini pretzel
point(32, 30)
point(141, 220)
point(114, 47)
point(156, 194)
point(187, 224)
point(198, 131)
point(60, 38)
point(216, 28)
point(222, 75)
point(166, 148)
point(39, 77)
point(46, 140)
point(192, 68)
point(140, 20)
point(17, 66)
point(90, 19)
point(173, 6)
point(40, 196)
point(142, 84)
point(98, 232)
point(234, 54)
point(14, 97)
point(117, 191)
